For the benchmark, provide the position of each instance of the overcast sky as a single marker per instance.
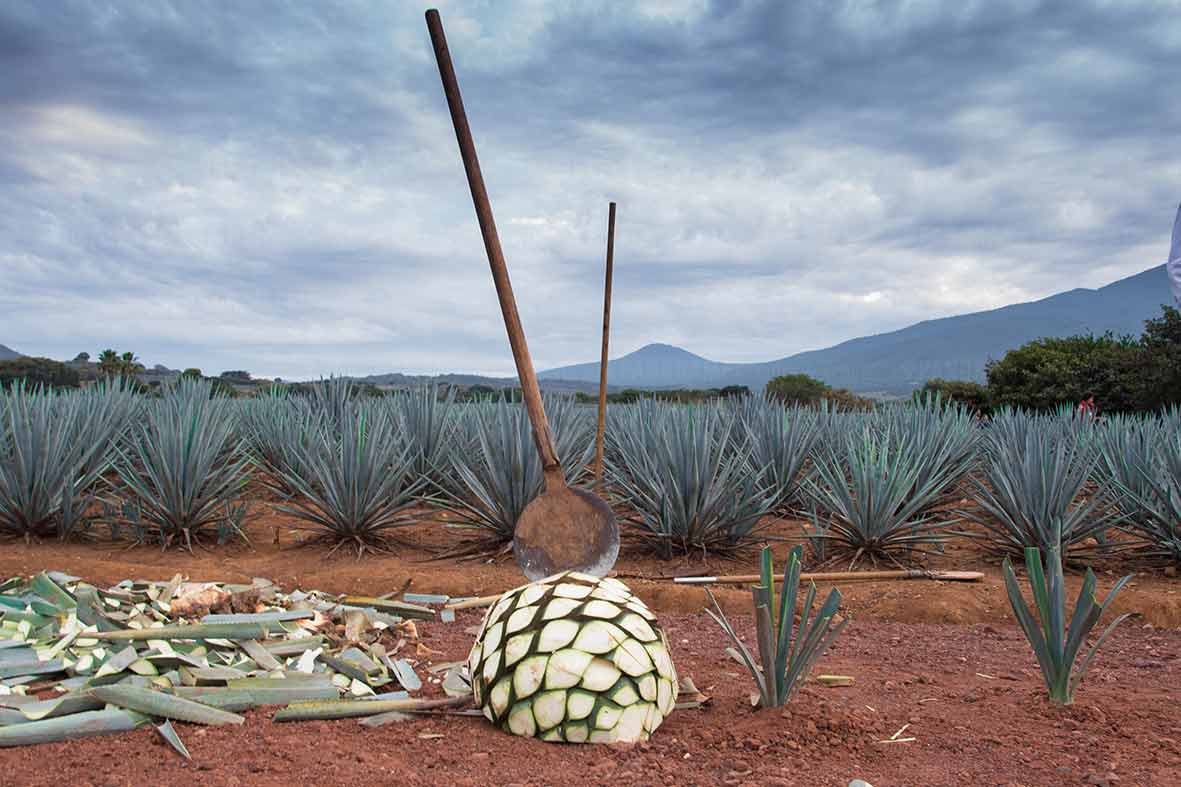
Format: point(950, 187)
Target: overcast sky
point(275, 186)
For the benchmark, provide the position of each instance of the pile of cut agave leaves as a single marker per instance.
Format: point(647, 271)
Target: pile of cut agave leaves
point(77, 661)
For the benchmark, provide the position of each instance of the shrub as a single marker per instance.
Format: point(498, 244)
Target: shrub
point(972, 395)
point(37, 372)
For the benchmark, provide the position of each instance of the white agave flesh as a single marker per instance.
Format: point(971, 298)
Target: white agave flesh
point(600, 609)
point(598, 636)
point(625, 695)
point(600, 675)
point(607, 594)
point(492, 637)
point(560, 608)
point(557, 634)
point(566, 668)
point(532, 593)
point(519, 619)
point(498, 698)
point(638, 627)
point(631, 657)
point(528, 675)
point(520, 720)
point(608, 716)
point(567, 590)
point(665, 696)
point(549, 709)
point(491, 665)
point(647, 687)
point(579, 705)
point(575, 733)
point(516, 648)
point(631, 724)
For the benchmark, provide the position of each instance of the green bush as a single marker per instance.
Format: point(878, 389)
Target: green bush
point(37, 371)
point(970, 394)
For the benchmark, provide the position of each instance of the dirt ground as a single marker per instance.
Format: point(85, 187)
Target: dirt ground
point(942, 659)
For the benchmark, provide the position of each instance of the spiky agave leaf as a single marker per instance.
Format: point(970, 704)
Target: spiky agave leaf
point(781, 440)
point(786, 652)
point(354, 485)
point(185, 466)
point(573, 658)
point(430, 423)
point(877, 494)
point(496, 471)
point(1055, 645)
point(54, 448)
point(686, 473)
point(1031, 490)
point(1144, 472)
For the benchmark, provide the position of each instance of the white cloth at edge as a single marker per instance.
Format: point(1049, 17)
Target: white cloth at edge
point(1174, 265)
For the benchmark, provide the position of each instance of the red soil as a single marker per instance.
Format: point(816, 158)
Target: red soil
point(970, 692)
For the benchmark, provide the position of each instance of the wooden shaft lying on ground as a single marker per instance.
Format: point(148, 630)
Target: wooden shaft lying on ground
point(601, 426)
point(817, 576)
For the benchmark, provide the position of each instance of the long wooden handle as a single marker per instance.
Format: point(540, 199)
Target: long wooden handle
point(602, 423)
point(504, 288)
point(840, 576)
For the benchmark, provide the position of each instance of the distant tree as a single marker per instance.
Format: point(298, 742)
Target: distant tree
point(1046, 373)
point(236, 375)
point(82, 357)
point(192, 373)
point(731, 391)
point(129, 364)
point(971, 394)
point(797, 389)
point(108, 362)
point(37, 371)
point(1160, 361)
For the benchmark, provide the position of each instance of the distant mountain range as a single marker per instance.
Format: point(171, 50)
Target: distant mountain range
point(887, 363)
point(900, 361)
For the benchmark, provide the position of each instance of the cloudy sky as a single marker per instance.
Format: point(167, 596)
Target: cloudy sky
point(275, 186)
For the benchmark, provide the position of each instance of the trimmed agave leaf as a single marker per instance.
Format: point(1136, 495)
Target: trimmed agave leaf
point(185, 467)
point(348, 709)
point(686, 473)
point(169, 734)
point(78, 725)
point(1056, 642)
point(226, 631)
point(168, 706)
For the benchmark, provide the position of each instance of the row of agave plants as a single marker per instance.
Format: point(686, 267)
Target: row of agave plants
point(880, 486)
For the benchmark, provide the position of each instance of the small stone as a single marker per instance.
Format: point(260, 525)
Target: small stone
point(860, 783)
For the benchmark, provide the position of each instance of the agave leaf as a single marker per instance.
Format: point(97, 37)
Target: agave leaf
point(207, 631)
point(169, 734)
point(168, 706)
point(345, 709)
point(72, 727)
point(59, 706)
point(1082, 668)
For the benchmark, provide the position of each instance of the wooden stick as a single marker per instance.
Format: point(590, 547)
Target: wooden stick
point(817, 576)
point(601, 427)
point(841, 576)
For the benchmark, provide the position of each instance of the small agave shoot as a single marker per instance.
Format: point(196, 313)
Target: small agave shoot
point(1055, 642)
point(185, 467)
point(787, 652)
point(352, 478)
point(686, 473)
point(54, 450)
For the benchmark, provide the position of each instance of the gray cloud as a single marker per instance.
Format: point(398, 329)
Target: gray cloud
point(275, 186)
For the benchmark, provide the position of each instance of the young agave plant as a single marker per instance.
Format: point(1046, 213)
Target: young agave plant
point(1148, 491)
point(430, 423)
point(1055, 642)
point(877, 495)
point(495, 470)
point(350, 486)
point(686, 473)
point(787, 652)
point(185, 467)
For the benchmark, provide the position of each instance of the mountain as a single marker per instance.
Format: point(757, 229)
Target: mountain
point(8, 354)
point(899, 361)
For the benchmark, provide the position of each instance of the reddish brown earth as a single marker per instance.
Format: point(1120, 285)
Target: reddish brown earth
point(943, 658)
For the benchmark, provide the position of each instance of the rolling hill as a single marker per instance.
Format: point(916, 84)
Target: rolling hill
point(899, 361)
point(8, 354)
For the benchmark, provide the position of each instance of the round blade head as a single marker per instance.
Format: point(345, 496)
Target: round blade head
point(566, 529)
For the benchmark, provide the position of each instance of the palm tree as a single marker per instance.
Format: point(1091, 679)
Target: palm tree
point(108, 362)
point(129, 365)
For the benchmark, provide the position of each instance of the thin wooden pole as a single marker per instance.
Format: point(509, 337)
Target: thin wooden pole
point(599, 433)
